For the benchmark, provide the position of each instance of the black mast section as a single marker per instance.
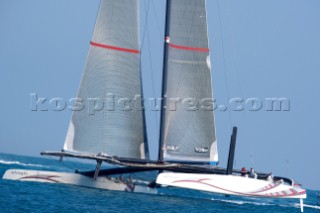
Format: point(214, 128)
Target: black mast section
point(232, 150)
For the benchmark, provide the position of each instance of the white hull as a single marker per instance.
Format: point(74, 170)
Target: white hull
point(232, 185)
point(74, 179)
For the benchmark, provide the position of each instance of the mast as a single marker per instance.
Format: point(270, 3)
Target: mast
point(164, 76)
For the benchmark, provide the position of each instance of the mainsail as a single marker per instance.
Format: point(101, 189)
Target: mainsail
point(111, 119)
point(187, 123)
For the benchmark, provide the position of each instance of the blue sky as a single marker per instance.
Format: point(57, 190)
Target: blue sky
point(259, 49)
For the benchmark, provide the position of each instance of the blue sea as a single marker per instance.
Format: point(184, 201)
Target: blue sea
point(18, 196)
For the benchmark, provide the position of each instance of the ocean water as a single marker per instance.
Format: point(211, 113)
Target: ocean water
point(16, 196)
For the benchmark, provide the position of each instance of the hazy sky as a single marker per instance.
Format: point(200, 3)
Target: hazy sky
point(259, 49)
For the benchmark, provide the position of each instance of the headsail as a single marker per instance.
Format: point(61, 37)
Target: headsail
point(187, 123)
point(111, 121)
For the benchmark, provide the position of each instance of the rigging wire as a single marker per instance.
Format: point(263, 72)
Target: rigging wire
point(225, 68)
point(156, 114)
point(146, 36)
point(224, 62)
point(160, 32)
point(240, 89)
point(146, 9)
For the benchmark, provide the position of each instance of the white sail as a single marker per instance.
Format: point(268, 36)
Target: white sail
point(188, 131)
point(111, 121)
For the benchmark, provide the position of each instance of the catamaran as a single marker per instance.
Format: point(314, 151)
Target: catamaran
point(188, 153)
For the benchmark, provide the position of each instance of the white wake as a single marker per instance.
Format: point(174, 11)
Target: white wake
point(243, 202)
point(308, 206)
point(22, 164)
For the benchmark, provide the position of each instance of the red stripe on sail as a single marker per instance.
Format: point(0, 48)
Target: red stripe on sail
point(115, 48)
point(197, 49)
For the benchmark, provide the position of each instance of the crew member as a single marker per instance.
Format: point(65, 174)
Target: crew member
point(243, 171)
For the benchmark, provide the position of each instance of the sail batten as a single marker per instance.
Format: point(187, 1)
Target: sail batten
point(187, 131)
point(111, 87)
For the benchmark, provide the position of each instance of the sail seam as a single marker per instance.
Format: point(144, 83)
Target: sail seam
point(114, 48)
point(197, 49)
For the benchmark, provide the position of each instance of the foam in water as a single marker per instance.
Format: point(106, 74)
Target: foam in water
point(242, 202)
point(308, 206)
point(22, 164)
